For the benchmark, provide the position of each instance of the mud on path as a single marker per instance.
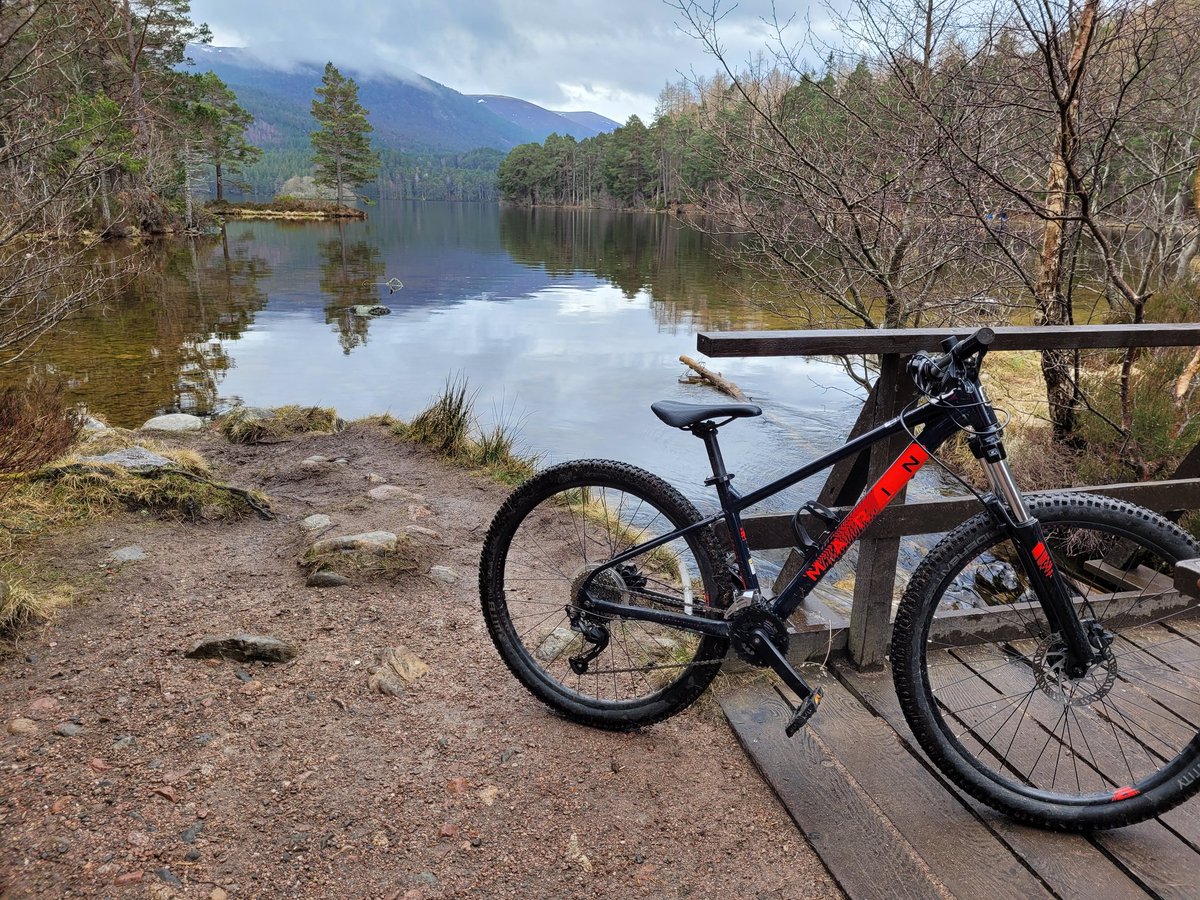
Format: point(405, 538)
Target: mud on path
point(196, 778)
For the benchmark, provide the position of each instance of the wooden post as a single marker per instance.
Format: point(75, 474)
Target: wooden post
point(875, 574)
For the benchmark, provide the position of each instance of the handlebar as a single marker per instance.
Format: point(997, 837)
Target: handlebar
point(935, 376)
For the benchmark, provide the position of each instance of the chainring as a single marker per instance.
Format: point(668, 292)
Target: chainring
point(745, 625)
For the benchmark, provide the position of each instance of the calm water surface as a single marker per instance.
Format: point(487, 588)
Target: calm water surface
point(567, 323)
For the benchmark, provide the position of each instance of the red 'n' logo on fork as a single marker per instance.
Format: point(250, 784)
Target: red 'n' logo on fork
point(1041, 556)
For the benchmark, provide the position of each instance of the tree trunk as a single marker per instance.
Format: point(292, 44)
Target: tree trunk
point(105, 207)
point(220, 184)
point(1052, 306)
point(338, 161)
point(135, 78)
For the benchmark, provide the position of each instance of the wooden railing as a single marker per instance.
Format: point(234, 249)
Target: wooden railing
point(874, 585)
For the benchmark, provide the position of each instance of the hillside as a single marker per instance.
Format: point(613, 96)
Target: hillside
point(410, 115)
point(541, 122)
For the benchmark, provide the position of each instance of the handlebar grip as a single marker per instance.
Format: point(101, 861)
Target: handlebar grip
point(980, 340)
point(931, 375)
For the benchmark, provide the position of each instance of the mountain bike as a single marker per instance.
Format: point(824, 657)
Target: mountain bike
point(614, 601)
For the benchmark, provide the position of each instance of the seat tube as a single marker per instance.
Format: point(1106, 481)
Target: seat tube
point(707, 432)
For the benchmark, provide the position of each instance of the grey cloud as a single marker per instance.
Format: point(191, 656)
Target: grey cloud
point(612, 56)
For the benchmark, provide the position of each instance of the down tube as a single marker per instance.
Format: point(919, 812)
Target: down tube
point(872, 503)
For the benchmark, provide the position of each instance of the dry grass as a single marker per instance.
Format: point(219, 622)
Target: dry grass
point(35, 427)
point(449, 426)
point(22, 606)
point(69, 492)
point(253, 426)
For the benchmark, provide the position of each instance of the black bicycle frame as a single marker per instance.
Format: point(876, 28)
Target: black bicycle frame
point(938, 427)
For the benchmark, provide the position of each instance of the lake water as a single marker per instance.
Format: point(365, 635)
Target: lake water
point(568, 324)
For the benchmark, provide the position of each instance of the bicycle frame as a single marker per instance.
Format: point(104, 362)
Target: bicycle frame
point(938, 428)
point(939, 424)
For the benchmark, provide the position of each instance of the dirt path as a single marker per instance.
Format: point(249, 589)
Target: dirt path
point(210, 779)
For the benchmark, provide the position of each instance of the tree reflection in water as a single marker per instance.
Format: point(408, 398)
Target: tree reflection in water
point(349, 272)
point(157, 342)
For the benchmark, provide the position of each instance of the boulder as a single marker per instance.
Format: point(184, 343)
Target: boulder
point(174, 422)
point(133, 459)
point(243, 647)
point(369, 541)
point(316, 522)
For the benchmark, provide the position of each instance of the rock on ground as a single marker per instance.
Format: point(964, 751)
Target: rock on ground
point(403, 662)
point(316, 522)
point(444, 573)
point(393, 492)
point(22, 726)
point(243, 647)
point(135, 459)
point(326, 578)
point(132, 553)
point(385, 682)
point(174, 422)
point(377, 541)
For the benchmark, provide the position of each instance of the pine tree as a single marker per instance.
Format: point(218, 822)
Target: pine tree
point(342, 149)
point(221, 122)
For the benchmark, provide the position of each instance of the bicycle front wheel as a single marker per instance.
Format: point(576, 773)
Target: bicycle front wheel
point(1004, 720)
point(550, 535)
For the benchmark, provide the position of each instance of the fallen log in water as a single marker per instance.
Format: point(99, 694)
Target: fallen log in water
point(724, 385)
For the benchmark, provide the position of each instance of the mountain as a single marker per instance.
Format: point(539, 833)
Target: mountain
point(412, 114)
point(596, 122)
point(543, 122)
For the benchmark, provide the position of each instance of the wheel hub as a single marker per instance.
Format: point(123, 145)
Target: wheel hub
point(1050, 670)
point(611, 585)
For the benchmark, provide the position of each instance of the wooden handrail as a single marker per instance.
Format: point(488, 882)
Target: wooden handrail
point(827, 342)
point(870, 616)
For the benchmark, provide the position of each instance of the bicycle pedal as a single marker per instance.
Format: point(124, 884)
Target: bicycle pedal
point(803, 713)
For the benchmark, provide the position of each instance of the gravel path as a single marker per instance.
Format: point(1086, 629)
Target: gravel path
point(208, 778)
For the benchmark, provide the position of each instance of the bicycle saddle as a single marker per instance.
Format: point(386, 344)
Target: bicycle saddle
point(685, 415)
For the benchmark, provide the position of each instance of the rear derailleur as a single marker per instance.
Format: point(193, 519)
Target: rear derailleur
point(594, 633)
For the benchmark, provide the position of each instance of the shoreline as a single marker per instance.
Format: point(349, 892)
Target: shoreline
point(301, 777)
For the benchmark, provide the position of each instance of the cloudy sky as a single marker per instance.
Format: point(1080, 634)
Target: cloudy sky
point(609, 56)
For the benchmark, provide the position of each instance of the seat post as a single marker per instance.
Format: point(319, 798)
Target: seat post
point(707, 432)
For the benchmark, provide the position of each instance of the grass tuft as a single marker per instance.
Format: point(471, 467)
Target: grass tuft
point(450, 427)
point(21, 606)
point(446, 424)
point(247, 425)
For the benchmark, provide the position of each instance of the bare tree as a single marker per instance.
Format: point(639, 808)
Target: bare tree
point(54, 157)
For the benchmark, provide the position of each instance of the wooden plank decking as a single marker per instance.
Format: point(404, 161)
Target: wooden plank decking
point(887, 824)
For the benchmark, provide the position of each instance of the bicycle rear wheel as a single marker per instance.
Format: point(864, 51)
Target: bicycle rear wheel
point(548, 537)
point(1004, 720)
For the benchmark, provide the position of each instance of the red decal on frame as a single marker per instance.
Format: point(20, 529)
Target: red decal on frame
point(872, 503)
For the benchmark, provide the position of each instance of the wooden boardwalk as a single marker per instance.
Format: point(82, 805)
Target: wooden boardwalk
point(886, 824)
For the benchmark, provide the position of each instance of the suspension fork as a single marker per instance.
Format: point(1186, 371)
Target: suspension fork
point(1048, 583)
